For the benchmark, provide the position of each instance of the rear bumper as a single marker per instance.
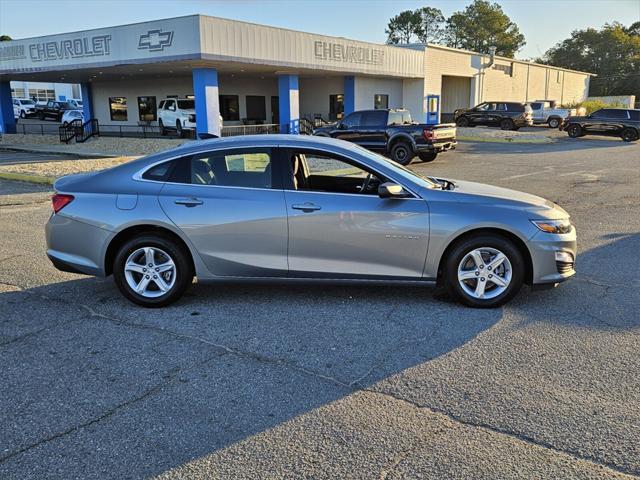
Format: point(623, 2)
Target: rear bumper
point(437, 147)
point(76, 247)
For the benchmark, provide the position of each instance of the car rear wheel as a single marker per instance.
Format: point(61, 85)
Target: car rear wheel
point(402, 153)
point(152, 270)
point(507, 124)
point(427, 156)
point(163, 131)
point(554, 122)
point(574, 131)
point(462, 122)
point(485, 271)
point(629, 135)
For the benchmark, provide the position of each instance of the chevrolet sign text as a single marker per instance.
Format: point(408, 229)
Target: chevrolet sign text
point(71, 48)
point(347, 53)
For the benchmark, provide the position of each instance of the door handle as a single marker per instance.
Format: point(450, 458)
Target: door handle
point(306, 207)
point(188, 202)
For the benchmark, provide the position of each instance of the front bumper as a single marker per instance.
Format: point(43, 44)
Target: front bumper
point(553, 257)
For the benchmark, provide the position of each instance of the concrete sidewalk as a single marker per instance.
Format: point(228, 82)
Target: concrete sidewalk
point(47, 149)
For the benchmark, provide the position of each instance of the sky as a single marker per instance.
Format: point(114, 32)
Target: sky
point(543, 22)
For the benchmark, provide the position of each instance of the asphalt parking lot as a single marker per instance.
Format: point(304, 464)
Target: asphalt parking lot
point(255, 381)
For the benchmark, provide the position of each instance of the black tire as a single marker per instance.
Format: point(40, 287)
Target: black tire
point(629, 135)
point(402, 153)
point(462, 122)
point(179, 129)
point(163, 131)
point(41, 115)
point(183, 271)
point(458, 253)
point(507, 124)
point(574, 131)
point(22, 114)
point(554, 122)
point(427, 156)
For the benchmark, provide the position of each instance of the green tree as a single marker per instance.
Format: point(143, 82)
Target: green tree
point(403, 27)
point(432, 23)
point(4, 38)
point(613, 53)
point(482, 25)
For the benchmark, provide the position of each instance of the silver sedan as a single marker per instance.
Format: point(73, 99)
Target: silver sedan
point(291, 208)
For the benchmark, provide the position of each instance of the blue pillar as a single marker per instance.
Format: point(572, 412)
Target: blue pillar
point(288, 99)
point(7, 120)
point(349, 94)
point(87, 101)
point(205, 91)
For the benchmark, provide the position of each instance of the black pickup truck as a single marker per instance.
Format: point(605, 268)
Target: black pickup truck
point(53, 109)
point(392, 133)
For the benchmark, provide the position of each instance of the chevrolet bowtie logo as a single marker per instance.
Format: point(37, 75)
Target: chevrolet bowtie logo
point(155, 40)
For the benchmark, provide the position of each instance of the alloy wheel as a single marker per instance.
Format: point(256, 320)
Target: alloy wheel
point(484, 273)
point(150, 272)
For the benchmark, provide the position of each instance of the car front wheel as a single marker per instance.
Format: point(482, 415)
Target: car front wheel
point(152, 270)
point(179, 130)
point(485, 271)
point(23, 114)
point(462, 122)
point(507, 124)
point(163, 131)
point(574, 131)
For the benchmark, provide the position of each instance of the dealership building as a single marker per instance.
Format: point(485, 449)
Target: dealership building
point(246, 74)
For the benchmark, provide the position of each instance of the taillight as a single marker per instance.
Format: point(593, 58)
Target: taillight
point(428, 134)
point(60, 200)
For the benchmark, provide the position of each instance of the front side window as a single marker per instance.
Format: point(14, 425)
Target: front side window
point(118, 109)
point(482, 107)
point(380, 101)
point(352, 120)
point(321, 172)
point(249, 168)
point(229, 107)
point(147, 110)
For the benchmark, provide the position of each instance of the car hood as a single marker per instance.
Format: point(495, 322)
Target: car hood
point(481, 193)
point(189, 111)
point(325, 128)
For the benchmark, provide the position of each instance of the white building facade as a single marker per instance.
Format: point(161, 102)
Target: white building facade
point(255, 74)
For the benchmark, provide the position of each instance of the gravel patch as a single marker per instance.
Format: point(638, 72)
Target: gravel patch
point(106, 145)
point(532, 135)
point(65, 167)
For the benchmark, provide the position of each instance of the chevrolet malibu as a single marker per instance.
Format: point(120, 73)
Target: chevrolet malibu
point(296, 208)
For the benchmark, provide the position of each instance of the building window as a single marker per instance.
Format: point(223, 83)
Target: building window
point(118, 109)
point(336, 106)
point(380, 101)
point(17, 92)
point(147, 110)
point(230, 107)
point(506, 69)
point(41, 95)
point(256, 108)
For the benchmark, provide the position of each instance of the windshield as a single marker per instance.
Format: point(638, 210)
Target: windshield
point(415, 177)
point(186, 104)
point(27, 102)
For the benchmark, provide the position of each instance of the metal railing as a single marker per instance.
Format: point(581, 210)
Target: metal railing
point(79, 131)
point(235, 130)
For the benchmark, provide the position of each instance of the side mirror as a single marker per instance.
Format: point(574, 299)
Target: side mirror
point(342, 126)
point(391, 190)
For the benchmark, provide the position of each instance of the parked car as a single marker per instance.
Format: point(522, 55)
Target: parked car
point(546, 111)
point(52, 109)
point(23, 107)
point(301, 207)
point(615, 122)
point(393, 133)
point(75, 103)
point(506, 115)
point(70, 115)
point(177, 114)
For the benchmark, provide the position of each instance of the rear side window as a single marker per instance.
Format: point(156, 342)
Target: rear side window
point(249, 168)
point(536, 105)
point(159, 173)
point(617, 114)
point(515, 107)
point(634, 114)
point(374, 118)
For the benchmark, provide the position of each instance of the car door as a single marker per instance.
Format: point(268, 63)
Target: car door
point(337, 230)
point(231, 207)
point(373, 127)
point(348, 128)
point(478, 116)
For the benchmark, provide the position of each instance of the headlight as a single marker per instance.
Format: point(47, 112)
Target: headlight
point(553, 226)
point(192, 118)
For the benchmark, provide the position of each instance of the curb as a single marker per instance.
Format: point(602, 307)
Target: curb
point(15, 148)
point(506, 140)
point(22, 177)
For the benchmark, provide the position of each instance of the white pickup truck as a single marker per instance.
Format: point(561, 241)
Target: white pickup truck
point(545, 111)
